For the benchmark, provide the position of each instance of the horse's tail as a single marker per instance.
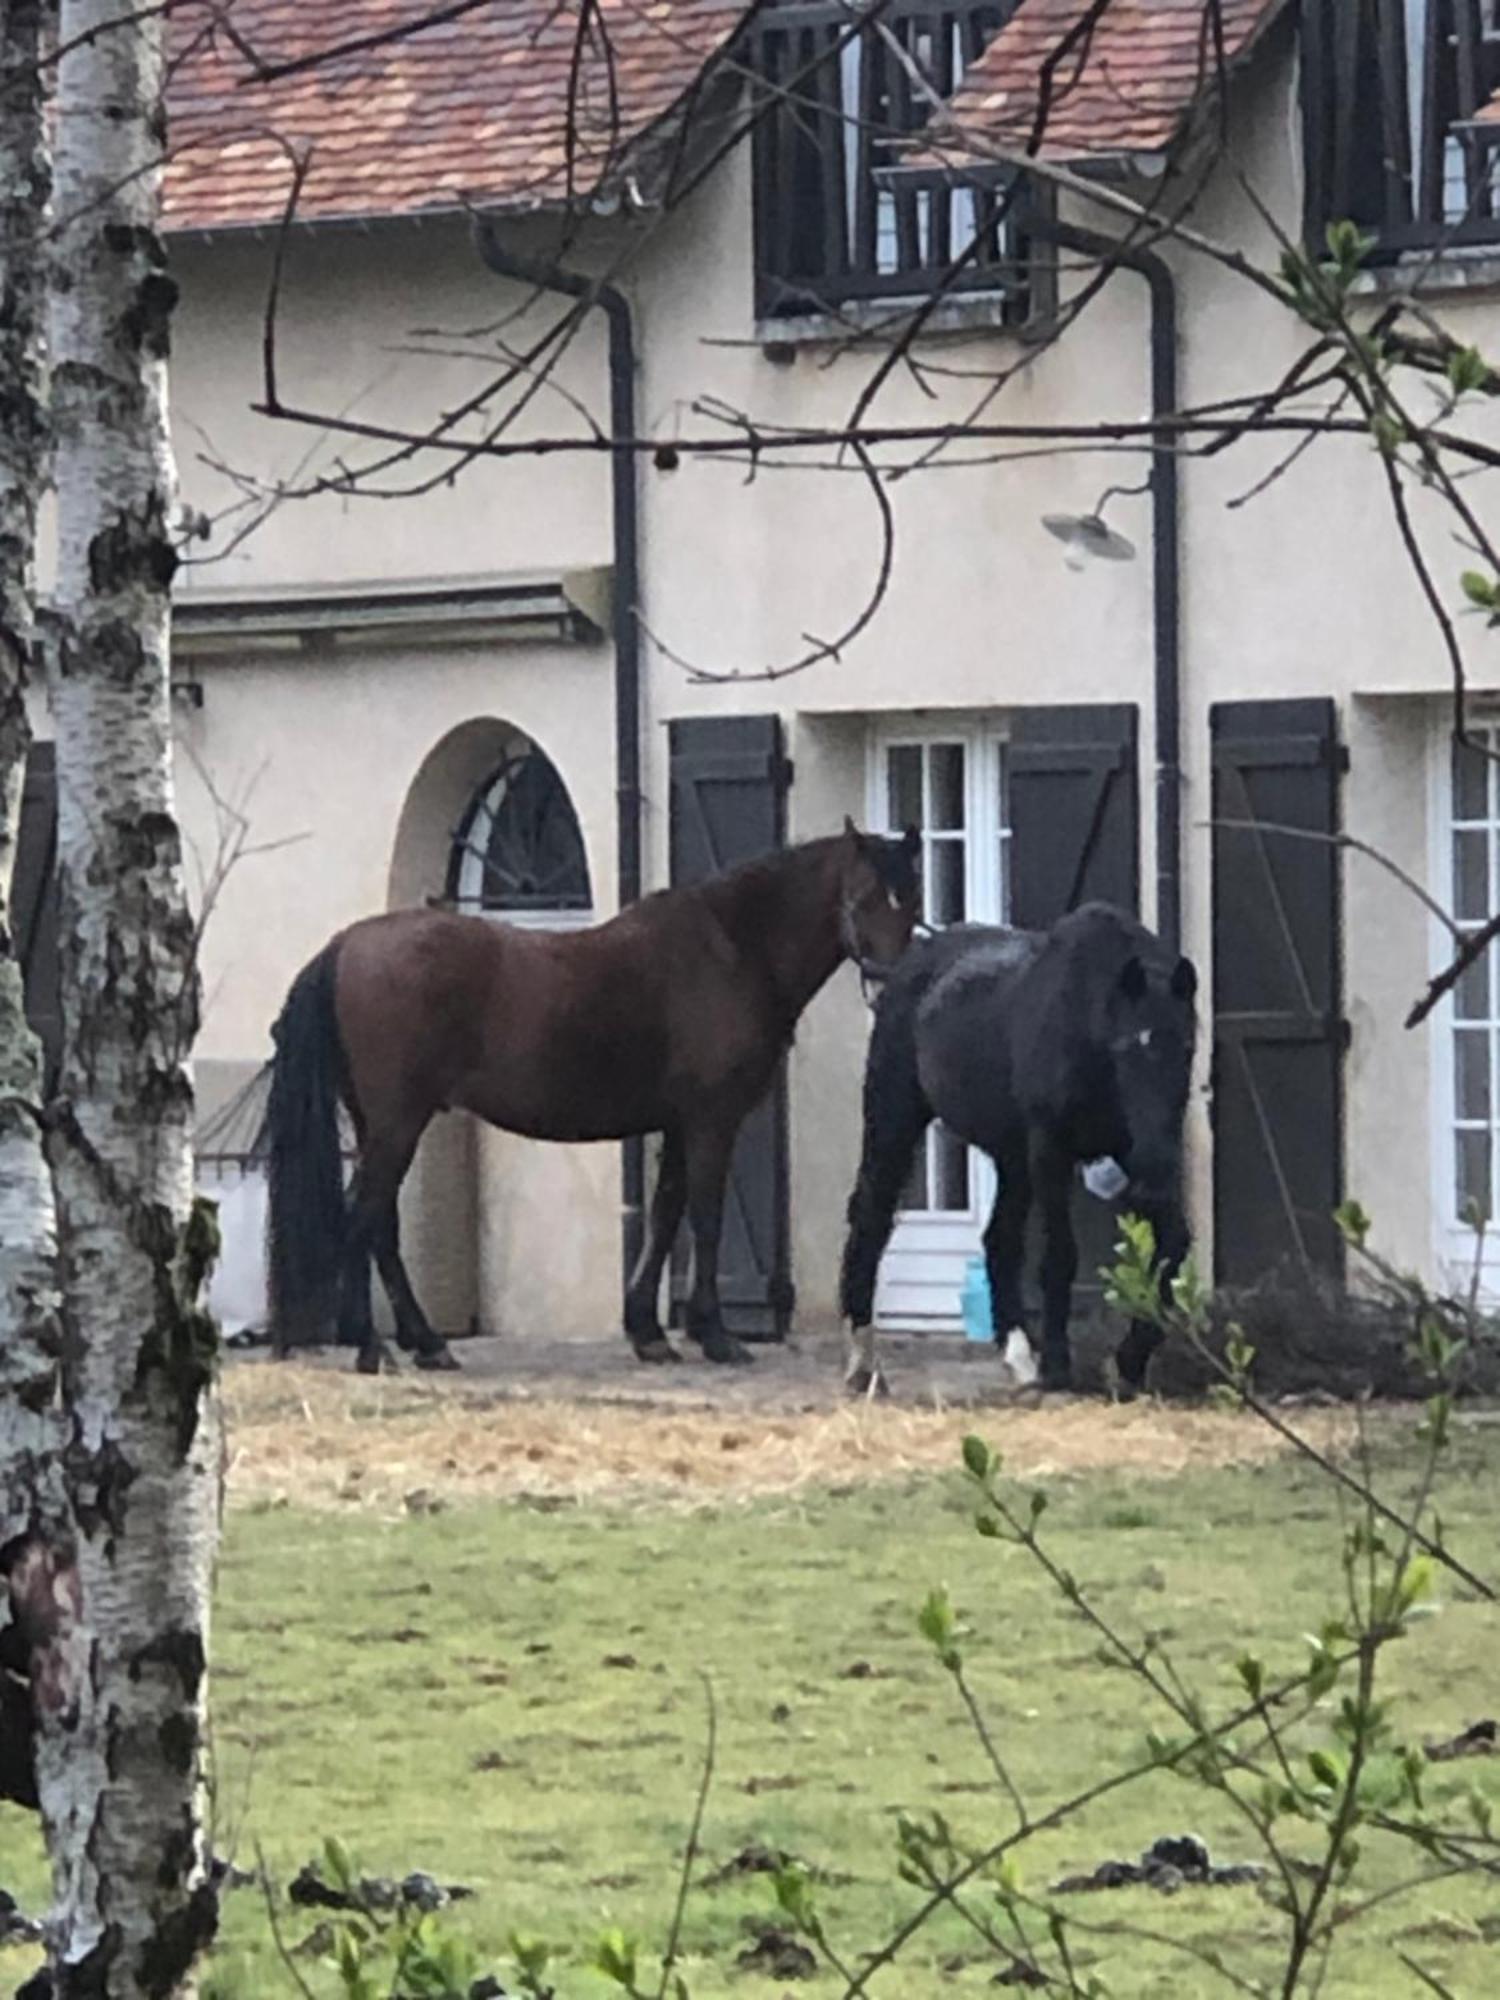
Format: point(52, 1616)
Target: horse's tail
point(300, 1137)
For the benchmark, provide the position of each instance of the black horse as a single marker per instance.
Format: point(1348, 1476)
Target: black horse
point(1045, 1049)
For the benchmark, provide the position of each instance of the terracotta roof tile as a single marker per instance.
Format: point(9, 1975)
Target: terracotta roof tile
point(1126, 89)
point(475, 109)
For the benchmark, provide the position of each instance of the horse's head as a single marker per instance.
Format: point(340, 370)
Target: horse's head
point(880, 894)
point(1152, 1029)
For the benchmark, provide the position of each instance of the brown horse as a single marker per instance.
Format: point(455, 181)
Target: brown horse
point(669, 1018)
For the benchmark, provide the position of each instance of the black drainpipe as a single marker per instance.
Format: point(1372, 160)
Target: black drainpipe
point(1166, 550)
point(625, 602)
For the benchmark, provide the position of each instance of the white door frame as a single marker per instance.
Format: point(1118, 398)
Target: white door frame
point(922, 1270)
point(1455, 1246)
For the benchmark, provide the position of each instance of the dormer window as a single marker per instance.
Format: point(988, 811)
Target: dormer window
point(840, 95)
point(1402, 120)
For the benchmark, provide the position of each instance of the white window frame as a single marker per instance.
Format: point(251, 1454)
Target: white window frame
point(1454, 1244)
point(985, 740)
point(939, 1239)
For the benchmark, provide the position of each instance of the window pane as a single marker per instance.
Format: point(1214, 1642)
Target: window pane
point(1471, 875)
point(951, 1162)
point(904, 785)
point(1471, 999)
point(1472, 1177)
point(963, 225)
point(946, 903)
point(519, 847)
point(887, 249)
point(1471, 1073)
point(1471, 779)
point(947, 769)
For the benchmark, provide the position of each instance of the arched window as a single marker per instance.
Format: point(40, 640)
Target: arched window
point(518, 849)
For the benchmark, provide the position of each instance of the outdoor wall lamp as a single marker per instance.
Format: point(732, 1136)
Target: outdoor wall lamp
point(1089, 535)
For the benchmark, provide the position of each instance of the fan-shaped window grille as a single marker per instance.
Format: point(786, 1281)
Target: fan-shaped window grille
point(518, 849)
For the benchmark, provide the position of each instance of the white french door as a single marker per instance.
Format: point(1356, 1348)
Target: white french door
point(950, 783)
point(1467, 1058)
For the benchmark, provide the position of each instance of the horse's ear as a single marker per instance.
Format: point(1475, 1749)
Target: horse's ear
point(1133, 979)
point(1184, 985)
point(911, 843)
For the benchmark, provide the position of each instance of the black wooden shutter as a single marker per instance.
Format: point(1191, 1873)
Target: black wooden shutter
point(1074, 811)
point(729, 781)
point(33, 905)
point(1075, 838)
point(1279, 1033)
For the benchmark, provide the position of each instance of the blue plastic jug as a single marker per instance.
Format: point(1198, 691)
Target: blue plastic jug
point(974, 1302)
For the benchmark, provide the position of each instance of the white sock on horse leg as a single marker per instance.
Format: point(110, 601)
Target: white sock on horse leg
point(1017, 1359)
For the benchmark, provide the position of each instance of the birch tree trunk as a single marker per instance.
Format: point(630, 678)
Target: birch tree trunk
point(33, 1512)
point(124, 1788)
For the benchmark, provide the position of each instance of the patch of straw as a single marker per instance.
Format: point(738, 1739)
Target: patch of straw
point(313, 1437)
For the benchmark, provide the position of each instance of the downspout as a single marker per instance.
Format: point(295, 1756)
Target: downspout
point(1166, 550)
point(624, 620)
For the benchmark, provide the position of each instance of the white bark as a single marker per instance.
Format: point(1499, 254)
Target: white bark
point(33, 1509)
point(125, 1789)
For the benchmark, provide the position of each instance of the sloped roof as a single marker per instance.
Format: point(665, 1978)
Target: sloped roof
point(478, 108)
point(473, 109)
point(1126, 87)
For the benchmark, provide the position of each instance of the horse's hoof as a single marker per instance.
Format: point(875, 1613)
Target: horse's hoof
point(728, 1352)
point(437, 1360)
point(1057, 1381)
point(866, 1382)
point(656, 1352)
point(368, 1361)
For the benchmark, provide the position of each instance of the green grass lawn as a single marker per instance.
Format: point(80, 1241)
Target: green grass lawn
point(510, 1696)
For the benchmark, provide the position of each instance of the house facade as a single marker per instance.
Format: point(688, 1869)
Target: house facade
point(426, 672)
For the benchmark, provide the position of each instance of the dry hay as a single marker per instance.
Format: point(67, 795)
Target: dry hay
point(318, 1438)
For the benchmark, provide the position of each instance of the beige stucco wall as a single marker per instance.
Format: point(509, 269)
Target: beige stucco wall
point(1306, 588)
point(352, 775)
point(352, 764)
point(1302, 590)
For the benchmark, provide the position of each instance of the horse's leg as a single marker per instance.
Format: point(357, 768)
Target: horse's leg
point(1005, 1247)
point(356, 1316)
point(414, 1331)
point(1054, 1178)
point(896, 1116)
point(1143, 1336)
point(373, 1230)
point(707, 1153)
point(642, 1325)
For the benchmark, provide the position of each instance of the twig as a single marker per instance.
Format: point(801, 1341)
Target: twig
point(817, 649)
point(1443, 983)
point(1355, 846)
point(1429, 1979)
point(278, 1937)
point(333, 52)
point(695, 1830)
